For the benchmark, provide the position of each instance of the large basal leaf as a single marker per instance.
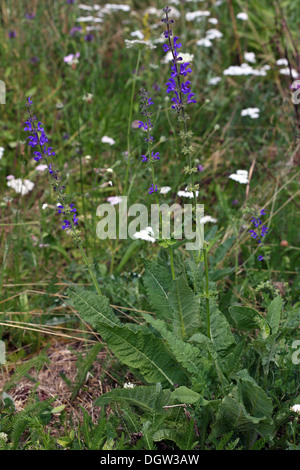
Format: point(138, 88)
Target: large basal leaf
point(186, 354)
point(274, 313)
point(245, 318)
point(221, 335)
point(186, 309)
point(247, 408)
point(140, 396)
point(144, 352)
point(93, 308)
point(158, 284)
point(186, 395)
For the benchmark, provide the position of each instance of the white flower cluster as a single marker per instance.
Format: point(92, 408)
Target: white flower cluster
point(253, 113)
point(241, 176)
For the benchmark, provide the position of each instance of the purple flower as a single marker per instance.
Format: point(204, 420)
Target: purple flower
point(183, 69)
point(89, 37)
point(34, 59)
point(30, 16)
point(38, 156)
point(189, 98)
point(171, 85)
point(144, 158)
point(185, 87)
point(200, 168)
point(253, 234)
point(12, 34)
point(75, 29)
point(260, 258)
point(152, 189)
point(155, 156)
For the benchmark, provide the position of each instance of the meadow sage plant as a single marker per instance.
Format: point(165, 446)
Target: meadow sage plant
point(38, 140)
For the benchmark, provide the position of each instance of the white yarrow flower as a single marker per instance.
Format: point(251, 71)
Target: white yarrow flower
point(21, 186)
point(295, 409)
point(146, 234)
point(1, 152)
point(283, 62)
point(242, 16)
point(214, 80)
point(250, 57)
point(108, 140)
point(128, 385)
point(165, 189)
point(207, 218)
point(114, 200)
point(241, 176)
point(253, 113)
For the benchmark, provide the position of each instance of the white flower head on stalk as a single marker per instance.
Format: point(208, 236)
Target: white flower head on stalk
point(165, 189)
point(146, 234)
point(242, 16)
point(1, 152)
point(128, 385)
point(114, 200)
point(207, 218)
point(250, 57)
point(253, 113)
point(108, 140)
point(22, 187)
point(295, 409)
point(139, 44)
point(241, 176)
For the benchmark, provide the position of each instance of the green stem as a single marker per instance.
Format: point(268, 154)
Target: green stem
point(172, 263)
point(207, 293)
point(129, 123)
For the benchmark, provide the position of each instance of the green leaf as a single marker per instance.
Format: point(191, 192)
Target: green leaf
point(274, 313)
point(141, 396)
point(185, 395)
point(186, 354)
point(158, 284)
point(144, 352)
point(186, 309)
point(93, 308)
point(221, 334)
point(245, 318)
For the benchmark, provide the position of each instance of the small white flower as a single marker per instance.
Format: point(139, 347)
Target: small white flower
point(188, 194)
point(250, 57)
point(44, 206)
point(207, 218)
point(186, 57)
point(108, 140)
point(214, 80)
point(295, 409)
point(137, 34)
point(283, 62)
point(128, 385)
point(146, 234)
point(241, 176)
point(72, 59)
point(213, 20)
point(242, 16)
point(1, 152)
point(139, 44)
point(41, 167)
point(87, 157)
point(286, 71)
point(253, 113)
point(85, 7)
point(204, 42)
point(165, 189)
point(191, 16)
point(3, 436)
point(114, 200)
point(213, 34)
point(21, 186)
point(87, 97)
